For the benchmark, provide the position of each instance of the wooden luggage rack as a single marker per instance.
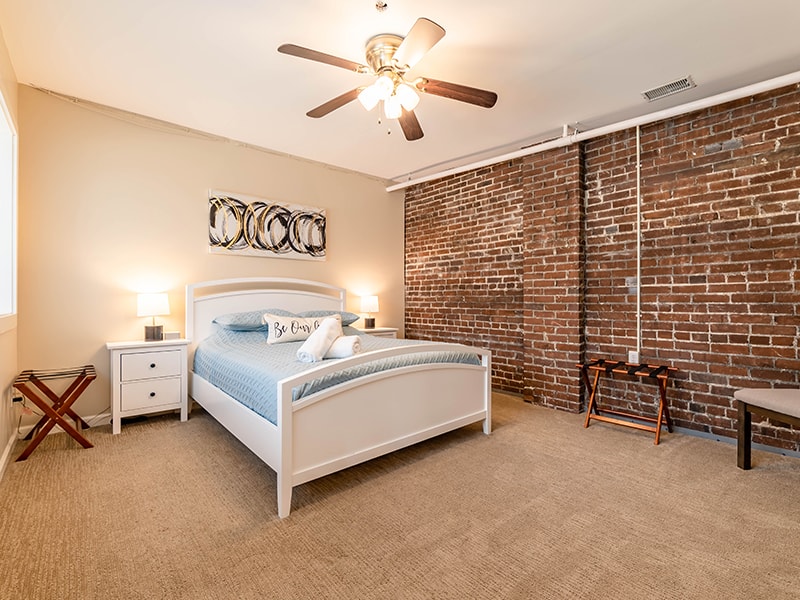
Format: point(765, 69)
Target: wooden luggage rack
point(32, 385)
point(659, 373)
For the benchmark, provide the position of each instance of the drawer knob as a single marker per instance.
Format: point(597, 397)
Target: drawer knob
point(152, 365)
point(152, 394)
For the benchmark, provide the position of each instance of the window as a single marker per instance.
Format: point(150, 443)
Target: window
point(8, 219)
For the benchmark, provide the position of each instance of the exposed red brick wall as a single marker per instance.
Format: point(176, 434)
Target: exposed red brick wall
point(463, 273)
point(543, 249)
point(553, 278)
point(720, 253)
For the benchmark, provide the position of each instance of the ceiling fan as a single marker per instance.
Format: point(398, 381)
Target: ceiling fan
point(390, 57)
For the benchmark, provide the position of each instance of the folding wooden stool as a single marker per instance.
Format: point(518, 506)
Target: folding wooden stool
point(31, 384)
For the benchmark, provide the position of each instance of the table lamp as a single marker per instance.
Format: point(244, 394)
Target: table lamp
point(369, 305)
point(153, 305)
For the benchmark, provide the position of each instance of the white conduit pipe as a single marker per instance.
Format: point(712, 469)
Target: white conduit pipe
point(737, 94)
point(638, 245)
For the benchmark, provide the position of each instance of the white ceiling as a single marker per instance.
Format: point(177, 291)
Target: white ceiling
point(213, 66)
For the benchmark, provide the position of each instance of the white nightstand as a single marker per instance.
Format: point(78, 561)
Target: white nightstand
point(387, 332)
point(148, 377)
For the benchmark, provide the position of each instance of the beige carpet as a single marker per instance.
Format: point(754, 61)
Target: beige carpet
point(542, 508)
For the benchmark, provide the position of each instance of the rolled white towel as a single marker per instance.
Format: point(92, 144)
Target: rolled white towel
point(317, 344)
point(344, 346)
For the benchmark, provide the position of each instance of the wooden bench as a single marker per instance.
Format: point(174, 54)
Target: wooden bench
point(778, 404)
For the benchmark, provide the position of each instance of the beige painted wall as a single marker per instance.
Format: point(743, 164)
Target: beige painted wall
point(8, 330)
point(108, 207)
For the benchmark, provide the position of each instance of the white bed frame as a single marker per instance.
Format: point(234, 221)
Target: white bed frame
point(345, 424)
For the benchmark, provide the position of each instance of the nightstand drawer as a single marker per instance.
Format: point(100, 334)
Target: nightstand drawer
point(387, 332)
point(151, 393)
point(383, 334)
point(147, 365)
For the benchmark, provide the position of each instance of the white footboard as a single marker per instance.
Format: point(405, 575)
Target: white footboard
point(376, 414)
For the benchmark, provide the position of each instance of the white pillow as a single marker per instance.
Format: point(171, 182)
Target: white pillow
point(291, 329)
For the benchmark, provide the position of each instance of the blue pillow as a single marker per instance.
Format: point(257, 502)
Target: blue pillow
point(250, 320)
point(347, 317)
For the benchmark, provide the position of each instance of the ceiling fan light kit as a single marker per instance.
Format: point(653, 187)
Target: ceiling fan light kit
point(390, 57)
point(408, 97)
point(369, 97)
point(394, 93)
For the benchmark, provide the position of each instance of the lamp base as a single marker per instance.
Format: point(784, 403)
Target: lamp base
point(369, 322)
point(153, 333)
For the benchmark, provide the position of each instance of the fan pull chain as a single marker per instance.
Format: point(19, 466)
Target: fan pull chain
point(388, 130)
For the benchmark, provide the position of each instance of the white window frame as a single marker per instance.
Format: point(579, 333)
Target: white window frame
point(8, 219)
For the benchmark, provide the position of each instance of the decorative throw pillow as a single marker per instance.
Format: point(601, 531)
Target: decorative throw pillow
point(290, 329)
point(249, 321)
point(348, 318)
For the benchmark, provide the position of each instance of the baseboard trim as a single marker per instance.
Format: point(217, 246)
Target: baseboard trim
point(733, 441)
point(6, 458)
point(92, 420)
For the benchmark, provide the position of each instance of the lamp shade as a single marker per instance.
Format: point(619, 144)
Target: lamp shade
point(369, 304)
point(407, 96)
point(152, 305)
point(369, 97)
point(392, 107)
point(384, 86)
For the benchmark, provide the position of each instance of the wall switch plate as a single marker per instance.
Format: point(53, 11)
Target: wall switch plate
point(633, 356)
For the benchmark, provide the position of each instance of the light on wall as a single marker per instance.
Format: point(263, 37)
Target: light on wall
point(152, 305)
point(369, 305)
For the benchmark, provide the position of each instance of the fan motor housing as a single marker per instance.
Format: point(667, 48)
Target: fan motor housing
point(380, 52)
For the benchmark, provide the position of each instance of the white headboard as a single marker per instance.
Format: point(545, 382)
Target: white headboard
point(209, 299)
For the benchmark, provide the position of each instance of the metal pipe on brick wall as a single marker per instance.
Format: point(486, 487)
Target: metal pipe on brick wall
point(737, 94)
point(638, 244)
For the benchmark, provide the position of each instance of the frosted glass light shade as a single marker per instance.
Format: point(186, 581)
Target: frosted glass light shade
point(392, 107)
point(369, 97)
point(394, 97)
point(384, 87)
point(408, 97)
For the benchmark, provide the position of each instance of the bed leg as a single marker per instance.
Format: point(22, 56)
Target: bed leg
point(486, 361)
point(284, 499)
point(743, 437)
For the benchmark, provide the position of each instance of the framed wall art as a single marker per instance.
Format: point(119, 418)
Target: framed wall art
point(247, 225)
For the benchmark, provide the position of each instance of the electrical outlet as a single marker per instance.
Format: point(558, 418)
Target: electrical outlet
point(633, 356)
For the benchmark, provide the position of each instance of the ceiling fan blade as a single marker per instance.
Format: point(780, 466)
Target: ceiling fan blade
point(423, 36)
point(410, 125)
point(328, 59)
point(332, 105)
point(455, 91)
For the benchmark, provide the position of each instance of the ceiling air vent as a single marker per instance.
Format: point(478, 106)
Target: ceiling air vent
point(668, 89)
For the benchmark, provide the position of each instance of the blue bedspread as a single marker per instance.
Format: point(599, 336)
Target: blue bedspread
point(244, 366)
